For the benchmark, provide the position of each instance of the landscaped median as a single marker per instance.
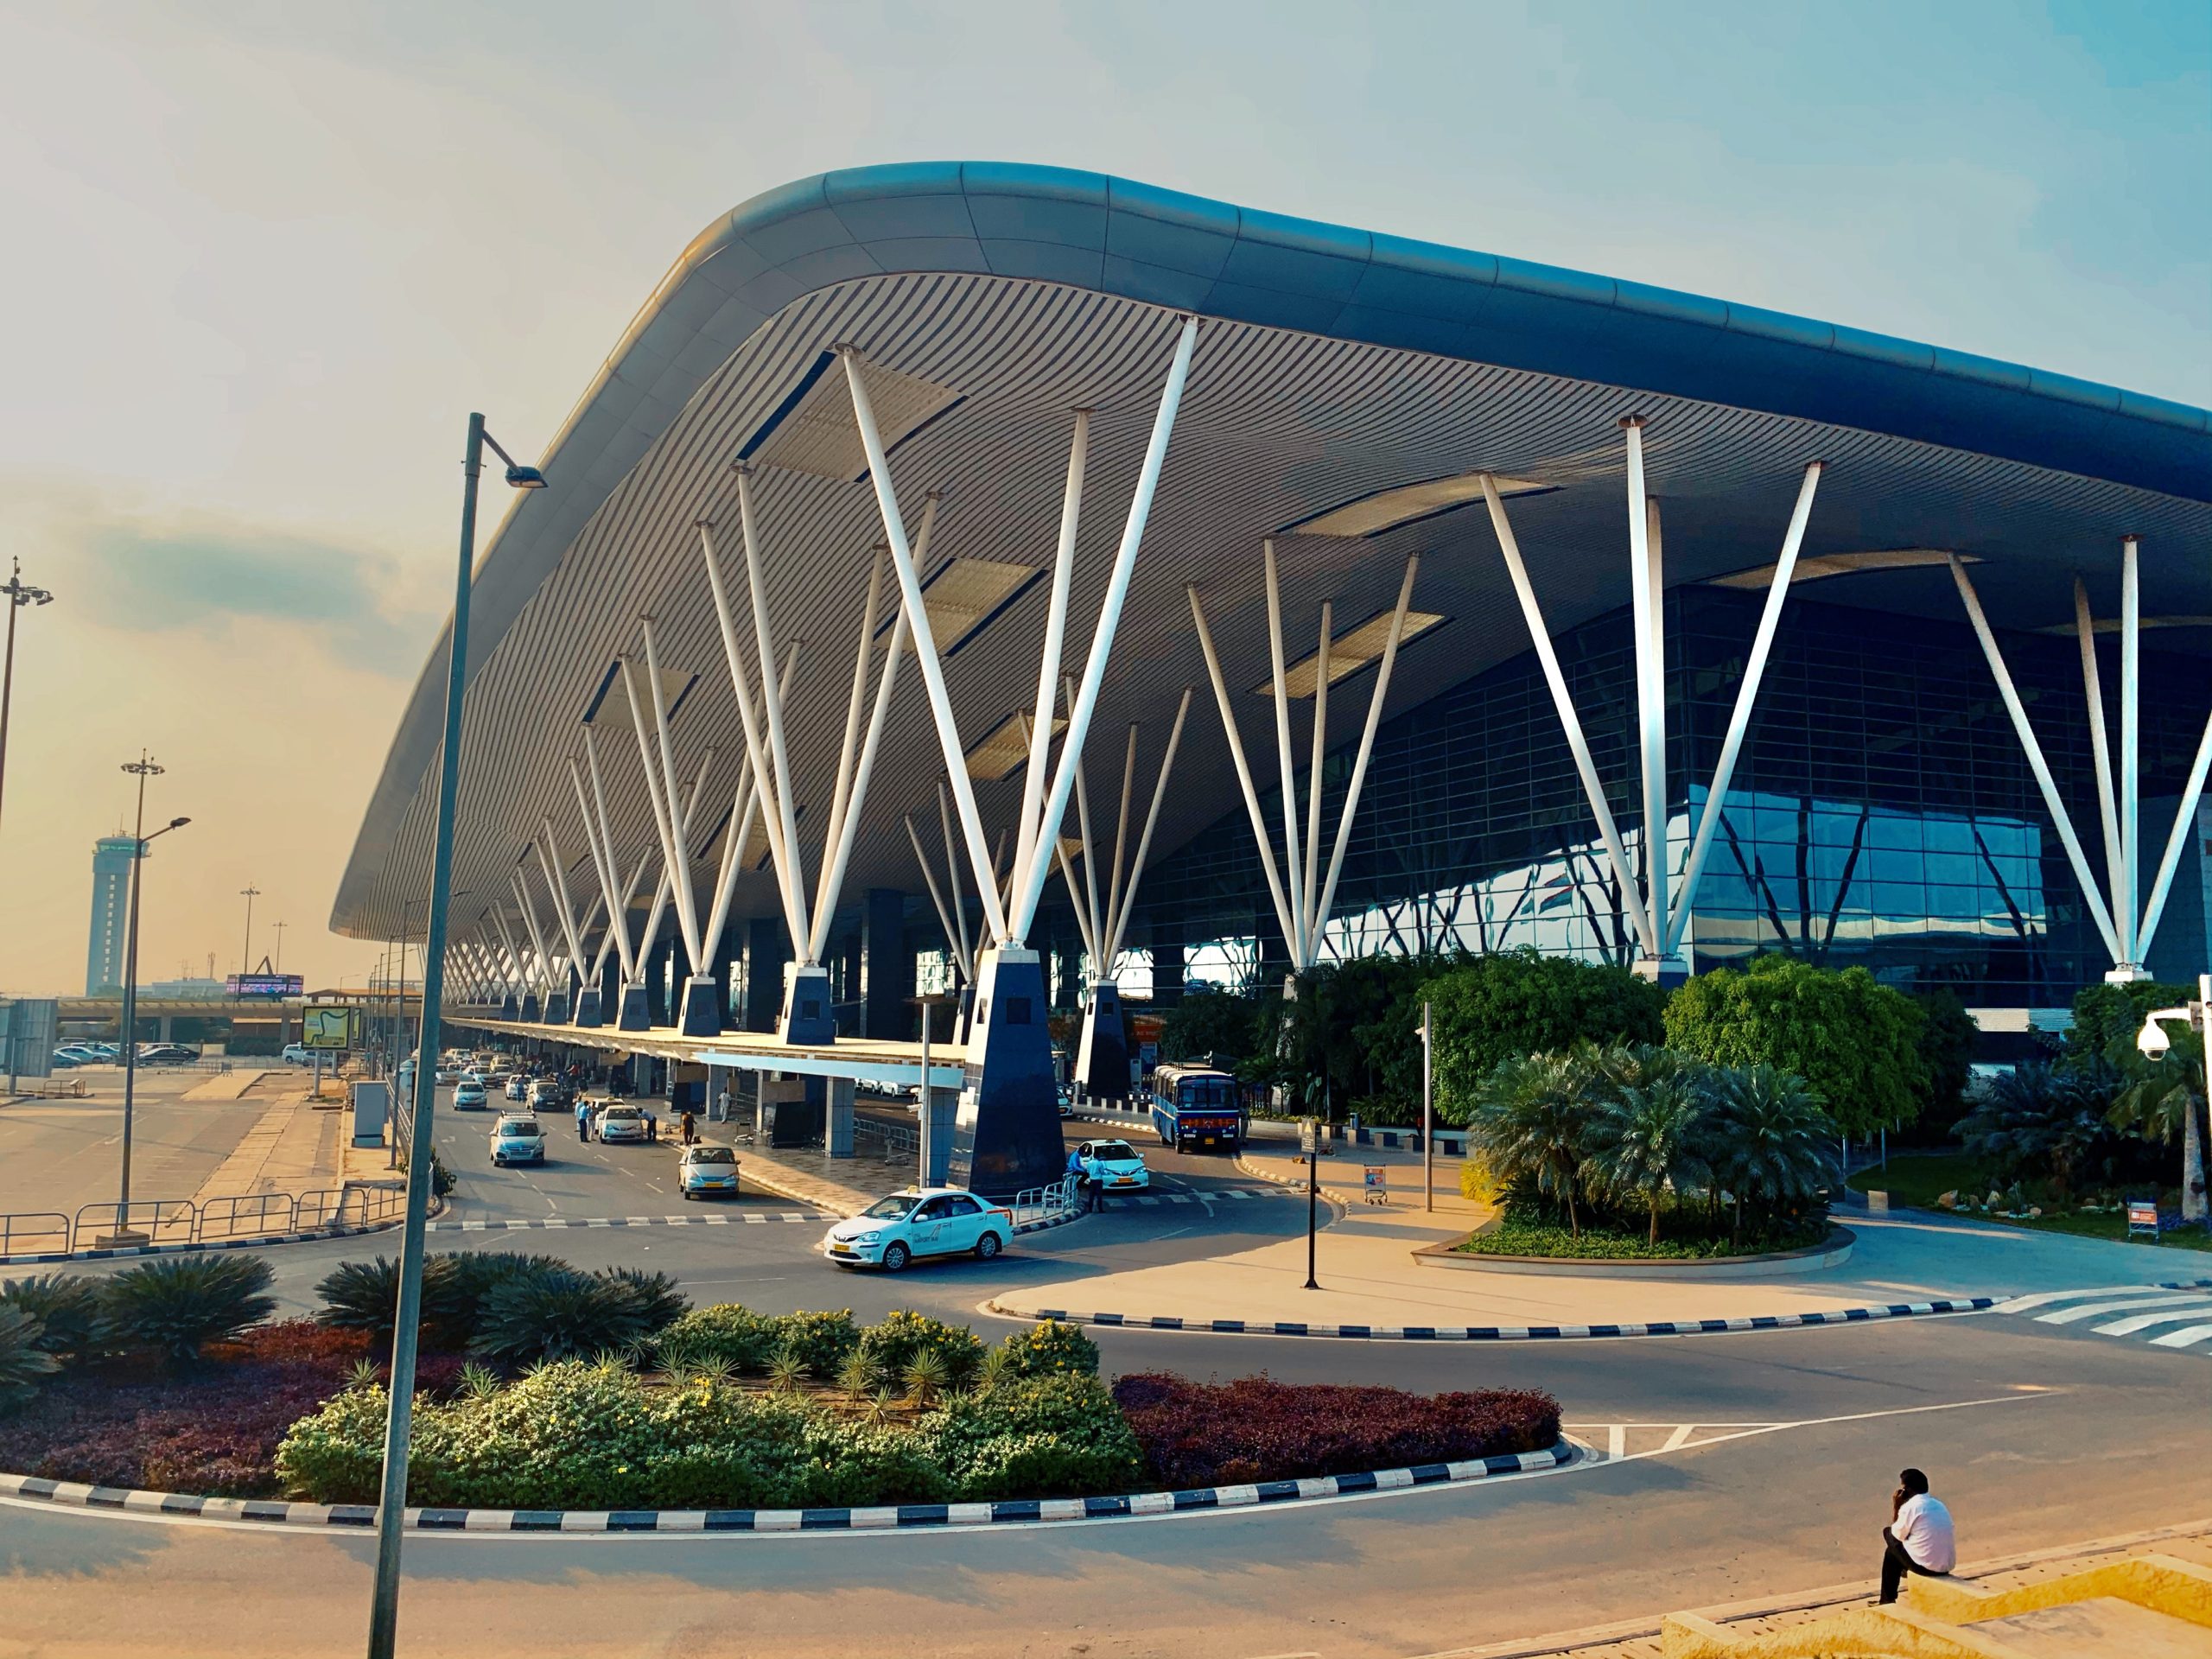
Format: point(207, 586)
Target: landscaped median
point(546, 1389)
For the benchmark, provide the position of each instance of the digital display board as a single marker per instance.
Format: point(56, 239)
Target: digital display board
point(263, 985)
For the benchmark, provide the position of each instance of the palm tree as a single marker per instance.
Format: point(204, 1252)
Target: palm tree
point(1645, 1137)
point(2038, 1118)
point(1528, 1122)
point(1770, 1137)
point(2163, 1101)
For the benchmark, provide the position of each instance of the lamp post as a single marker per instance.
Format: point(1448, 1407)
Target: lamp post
point(927, 1001)
point(249, 893)
point(143, 768)
point(18, 595)
point(2153, 1042)
point(277, 966)
point(1427, 1112)
point(384, 1612)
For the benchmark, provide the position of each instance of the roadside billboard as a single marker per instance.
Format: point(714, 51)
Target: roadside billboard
point(330, 1028)
point(29, 1028)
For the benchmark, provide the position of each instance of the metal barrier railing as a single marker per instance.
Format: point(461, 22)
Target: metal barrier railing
point(180, 1221)
point(34, 1232)
point(158, 1221)
point(253, 1212)
point(1063, 1197)
point(900, 1140)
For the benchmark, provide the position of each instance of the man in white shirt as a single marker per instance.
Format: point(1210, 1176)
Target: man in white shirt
point(1919, 1538)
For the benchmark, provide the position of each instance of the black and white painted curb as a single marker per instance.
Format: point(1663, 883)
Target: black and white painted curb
point(882, 1518)
point(256, 1242)
point(1499, 1332)
point(568, 1223)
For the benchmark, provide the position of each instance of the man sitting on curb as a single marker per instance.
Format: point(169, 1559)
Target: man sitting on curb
point(1919, 1538)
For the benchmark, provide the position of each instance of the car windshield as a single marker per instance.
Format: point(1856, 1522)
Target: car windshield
point(713, 1155)
point(524, 1128)
point(621, 1112)
point(1114, 1152)
point(891, 1209)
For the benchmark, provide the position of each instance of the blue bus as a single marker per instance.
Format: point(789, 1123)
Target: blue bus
point(1197, 1107)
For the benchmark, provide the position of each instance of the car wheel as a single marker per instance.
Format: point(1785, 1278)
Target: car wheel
point(988, 1246)
point(895, 1257)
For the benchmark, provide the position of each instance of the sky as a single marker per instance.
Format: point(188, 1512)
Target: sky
point(261, 261)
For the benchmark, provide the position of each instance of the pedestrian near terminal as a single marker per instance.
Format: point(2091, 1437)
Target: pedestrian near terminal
point(583, 1120)
point(721, 1105)
point(1919, 1538)
point(690, 1128)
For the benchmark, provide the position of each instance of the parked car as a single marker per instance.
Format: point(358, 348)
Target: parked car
point(707, 1172)
point(1112, 1166)
point(1067, 1100)
point(445, 1073)
point(67, 1058)
point(935, 1221)
point(167, 1054)
point(469, 1096)
point(518, 1087)
point(298, 1054)
point(618, 1121)
point(106, 1051)
point(517, 1140)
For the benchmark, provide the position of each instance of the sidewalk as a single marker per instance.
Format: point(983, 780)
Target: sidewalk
point(294, 1148)
point(1368, 1275)
point(1801, 1623)
point(845, 1185)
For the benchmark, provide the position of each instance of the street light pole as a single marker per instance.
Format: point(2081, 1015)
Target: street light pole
point(1427, 1114)
point(249, 893)
point(277, 966)
point(18, 595)
point(144, 768)
point(384, 1613)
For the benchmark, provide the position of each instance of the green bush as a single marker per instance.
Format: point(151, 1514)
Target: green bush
point(893, 1344)
point(1855, 1043)
point(66, 1306)
point(658, 1303)
point(725, 1334)
point(821, 1342)
point(23, 1359)
point(574, 1435)
point(1046, 1349)
point(1038, 1436)
point(1518, 1003)
point(364, 1295)
point(560, 1315)
point(176, 1307)
point(1684, 1234)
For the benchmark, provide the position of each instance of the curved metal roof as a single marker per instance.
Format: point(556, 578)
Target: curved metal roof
point(1331, 364)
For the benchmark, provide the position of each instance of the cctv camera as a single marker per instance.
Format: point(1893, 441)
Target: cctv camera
point(2152, 1040)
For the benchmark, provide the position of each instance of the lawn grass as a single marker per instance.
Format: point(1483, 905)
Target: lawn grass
point(1919, 1179)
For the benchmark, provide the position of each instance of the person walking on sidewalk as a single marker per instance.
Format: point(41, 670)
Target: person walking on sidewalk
point(690, 1128)
point(1919, 1538)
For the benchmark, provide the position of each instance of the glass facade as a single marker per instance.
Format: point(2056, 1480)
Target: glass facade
point(1882, 812)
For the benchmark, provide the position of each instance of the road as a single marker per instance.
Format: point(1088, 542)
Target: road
point(1784, 1445)
point(57, 1154)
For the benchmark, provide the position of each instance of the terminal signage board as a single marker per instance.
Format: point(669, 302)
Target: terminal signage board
point(272, 985)
point(330, 1028)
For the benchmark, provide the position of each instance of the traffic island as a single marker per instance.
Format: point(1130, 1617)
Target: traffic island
point(1454, 1256)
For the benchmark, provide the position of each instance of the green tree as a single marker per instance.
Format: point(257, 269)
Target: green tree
point(1946, 1041)
point(1208, 1022)
point(2162, 1101)
point(2107, 1018)
point(2039, 1120)
point(1646, 1137)
point(1516, 1003)
point(1770, 1139)
point(1855, 1043)
point(1528, 1122)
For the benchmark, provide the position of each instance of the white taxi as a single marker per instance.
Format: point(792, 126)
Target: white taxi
point(933, 1220)
point(1113, 1165)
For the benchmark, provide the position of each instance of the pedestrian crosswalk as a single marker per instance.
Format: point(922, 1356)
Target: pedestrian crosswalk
point(2176, 1315)
point(1207, 1195)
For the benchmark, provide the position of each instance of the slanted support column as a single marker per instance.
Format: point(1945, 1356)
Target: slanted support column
point(2126, 912)
point(1648, 592)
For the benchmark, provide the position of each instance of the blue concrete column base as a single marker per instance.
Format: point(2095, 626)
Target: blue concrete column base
point(1007, 1135)
point(531, 1009)
point(1102, 1057)
point(701, 1014)
point(556, 1008)
point(808, 1016)
point(1665, 971)
point(587, 1010)
point(636, 1013)
point(509, 1008)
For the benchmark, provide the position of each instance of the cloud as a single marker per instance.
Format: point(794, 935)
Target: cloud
point(211, 577)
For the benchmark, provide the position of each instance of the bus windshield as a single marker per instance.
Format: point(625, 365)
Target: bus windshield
point(1203, 1093)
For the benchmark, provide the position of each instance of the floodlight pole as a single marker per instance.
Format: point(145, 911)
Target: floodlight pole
point(1428, 1097)
point(384, 1613)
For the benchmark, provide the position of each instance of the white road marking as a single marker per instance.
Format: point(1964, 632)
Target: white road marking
point(2128, 1305)
point(1616, 1440)
point(2183, 1338)
point(1679, 1437)
point(2043, 1298)
point(2144, 1321)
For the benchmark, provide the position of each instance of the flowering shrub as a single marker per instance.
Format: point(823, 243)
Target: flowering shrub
point(1252, 1429)
point(1048, 1347)
point(727, 1333)
point(894, 1342)
point(818, 1341)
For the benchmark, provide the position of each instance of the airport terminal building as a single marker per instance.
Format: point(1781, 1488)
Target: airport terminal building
point(1038, 581)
